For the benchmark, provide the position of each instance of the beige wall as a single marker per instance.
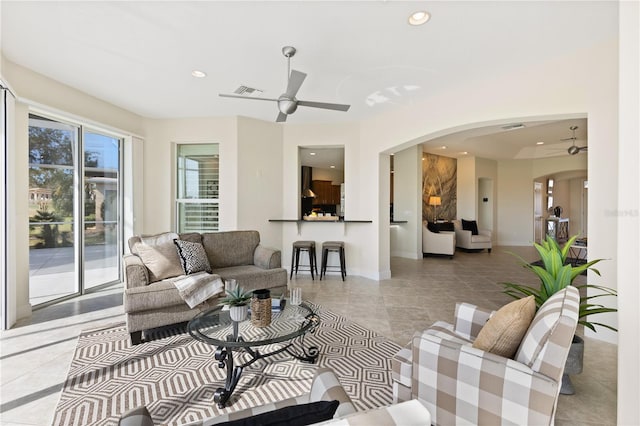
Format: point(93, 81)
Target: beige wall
point(161, 138)
point(406, 238)
point(38, 90)
point(626, 216)
point(260, 172)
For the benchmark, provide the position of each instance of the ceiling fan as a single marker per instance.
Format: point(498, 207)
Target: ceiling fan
point(287, 102)
point(573, 149)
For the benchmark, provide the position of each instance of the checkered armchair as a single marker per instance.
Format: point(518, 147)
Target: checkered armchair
point(460, 384)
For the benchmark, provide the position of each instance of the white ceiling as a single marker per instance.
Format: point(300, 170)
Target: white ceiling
point(139, 54)
point(498, 143)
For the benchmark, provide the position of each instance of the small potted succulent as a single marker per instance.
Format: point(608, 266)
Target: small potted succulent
point(238, 301)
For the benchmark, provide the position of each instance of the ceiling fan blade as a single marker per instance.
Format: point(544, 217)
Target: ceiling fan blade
point(245, 97)
point(336, 107)
point(296, 78)
point(281, 118)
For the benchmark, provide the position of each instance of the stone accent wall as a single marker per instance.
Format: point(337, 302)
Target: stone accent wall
point(439, 178)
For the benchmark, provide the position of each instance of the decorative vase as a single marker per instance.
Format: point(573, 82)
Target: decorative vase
point(238, 313)
point(261, 308)
point(573, 365)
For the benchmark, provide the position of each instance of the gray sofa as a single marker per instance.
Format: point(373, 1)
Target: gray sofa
point(152, 299)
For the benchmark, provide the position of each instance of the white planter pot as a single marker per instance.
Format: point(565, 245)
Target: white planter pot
point(238, 313)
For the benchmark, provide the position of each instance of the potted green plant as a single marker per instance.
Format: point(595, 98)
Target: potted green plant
point(238, 301)
point(556, 274)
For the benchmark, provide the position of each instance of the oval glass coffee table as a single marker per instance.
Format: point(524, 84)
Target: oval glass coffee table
point(286, 333)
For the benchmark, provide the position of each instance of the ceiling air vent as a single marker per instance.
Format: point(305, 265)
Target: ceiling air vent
point(247, 91)
point(513, 126)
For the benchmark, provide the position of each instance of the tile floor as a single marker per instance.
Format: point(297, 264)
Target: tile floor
point(36, 353)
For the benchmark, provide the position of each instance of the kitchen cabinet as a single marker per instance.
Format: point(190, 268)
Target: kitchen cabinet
point(326, 193)
point(335, 194)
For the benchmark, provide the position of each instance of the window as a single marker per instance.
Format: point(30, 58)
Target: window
point(197, 184)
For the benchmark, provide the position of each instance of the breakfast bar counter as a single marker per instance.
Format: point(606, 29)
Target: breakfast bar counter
point(325, 221)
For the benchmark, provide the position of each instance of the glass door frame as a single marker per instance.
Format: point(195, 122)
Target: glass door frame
point(78, 207)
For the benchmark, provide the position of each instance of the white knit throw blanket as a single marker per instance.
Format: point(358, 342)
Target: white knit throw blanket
point(196, 288)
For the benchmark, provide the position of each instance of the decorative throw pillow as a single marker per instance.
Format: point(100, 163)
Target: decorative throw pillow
point(470, 225)
point(193, 257)
point(503, 332)
point(446, 226)
point(432, 227)
point(293, 415)
point(162, 260)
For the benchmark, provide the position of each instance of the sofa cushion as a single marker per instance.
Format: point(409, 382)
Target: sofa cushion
point(293, 415)
point(432, 227)
point(162, 260)
point(470, 225)
point(193, 237)
point(251, 277)
point(445, 226)
point(502, 334)
point(192, 256)
point(232, 248)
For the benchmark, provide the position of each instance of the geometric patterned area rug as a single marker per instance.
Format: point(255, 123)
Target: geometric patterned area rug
point(175, 376)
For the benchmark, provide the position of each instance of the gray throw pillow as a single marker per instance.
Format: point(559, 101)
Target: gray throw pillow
point(162, 260)
point(193, 257)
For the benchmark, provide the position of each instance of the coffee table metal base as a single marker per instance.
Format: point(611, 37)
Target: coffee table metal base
point(224, 356)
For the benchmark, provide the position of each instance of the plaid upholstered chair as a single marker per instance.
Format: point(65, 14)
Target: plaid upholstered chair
point(461, 384)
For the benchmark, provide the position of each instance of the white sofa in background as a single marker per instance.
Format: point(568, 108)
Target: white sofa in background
point(466, 240)
point(443, 242)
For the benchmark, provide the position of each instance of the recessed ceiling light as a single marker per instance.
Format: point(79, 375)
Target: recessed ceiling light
point(312, 153)
point(464, 153)
point(419, 17)
point(540, 143)
point(198, 74)
point(443, 147)
point(333, 167)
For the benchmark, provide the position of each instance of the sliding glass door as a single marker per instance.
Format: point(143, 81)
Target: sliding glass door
point(52, 228)
point(101, 191)
point(74, 209)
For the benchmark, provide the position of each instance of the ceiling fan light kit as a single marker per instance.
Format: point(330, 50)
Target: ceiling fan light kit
point(287, 102)
point(573, 149)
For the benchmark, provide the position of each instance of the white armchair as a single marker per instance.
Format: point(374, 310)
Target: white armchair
point(466, 240)
point(443, 242)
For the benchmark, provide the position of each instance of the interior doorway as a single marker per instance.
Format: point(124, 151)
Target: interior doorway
point(537, 212)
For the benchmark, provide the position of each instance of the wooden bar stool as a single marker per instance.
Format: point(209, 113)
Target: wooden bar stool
point(333, 246)
point(310, 248)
